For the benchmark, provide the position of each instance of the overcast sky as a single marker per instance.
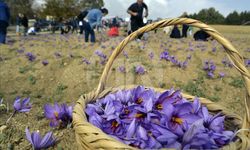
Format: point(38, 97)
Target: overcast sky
point(174, 8)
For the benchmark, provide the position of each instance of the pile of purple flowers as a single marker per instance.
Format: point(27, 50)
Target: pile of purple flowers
point(58, 114)
point(209, 67)
point(146, 119)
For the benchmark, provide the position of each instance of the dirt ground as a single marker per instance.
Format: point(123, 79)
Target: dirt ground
point(67, 76)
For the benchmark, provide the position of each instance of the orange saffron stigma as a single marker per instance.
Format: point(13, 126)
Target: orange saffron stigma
point(115, 124)
point(177, 120)
point(56, 114)
point(159, 106)
point(126, 111)
point(139, 115)
point(139, 100)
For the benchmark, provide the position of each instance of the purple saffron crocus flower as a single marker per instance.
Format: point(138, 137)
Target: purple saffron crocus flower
point(45, 62)
point(247, 62)
point(214, 49)
point(222, 74)
point(100, 54)
point(52, 113)
point(39, 142)
point(122, 69)
point(22, 106)
point(151, 55)
point(210, 74)
point(58, 114)
point(86, 61)
point(30, 56)
point(165, 55)
point(66, 114)
point(140, 70)
point(125, 54)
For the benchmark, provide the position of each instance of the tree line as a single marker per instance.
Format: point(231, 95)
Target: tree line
point(212, 16)
point(59, 9)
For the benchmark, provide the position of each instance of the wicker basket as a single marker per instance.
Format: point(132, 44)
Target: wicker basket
point(91, 137)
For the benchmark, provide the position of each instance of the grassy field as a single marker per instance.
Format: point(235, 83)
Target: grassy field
point(67, 75)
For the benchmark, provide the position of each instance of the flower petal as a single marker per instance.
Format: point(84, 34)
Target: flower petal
point(28, 136)
point(131, 129)
point(47, 141)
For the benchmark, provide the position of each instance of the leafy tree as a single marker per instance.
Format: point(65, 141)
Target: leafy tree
point(210, 16)
point(233, 18)
point(67, 8)
point(20, 6)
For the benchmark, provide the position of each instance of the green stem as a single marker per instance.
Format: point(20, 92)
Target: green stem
point(10, 117)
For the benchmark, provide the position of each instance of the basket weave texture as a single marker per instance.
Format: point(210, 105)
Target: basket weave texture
point(91, 137)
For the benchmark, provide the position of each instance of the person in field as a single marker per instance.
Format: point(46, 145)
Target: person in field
point(92, 21)
point(4, 21)
point(25, 23)
point(175, 33)
point(201, 35)
point(18, 23)
point(137, 15)
point(184, 26)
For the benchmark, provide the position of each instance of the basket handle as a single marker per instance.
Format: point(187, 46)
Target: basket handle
point(232, 53)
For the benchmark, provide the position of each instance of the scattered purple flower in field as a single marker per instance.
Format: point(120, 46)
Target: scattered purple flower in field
point(125, 54)
point(214, 49)
point(86, 61)
point(58, 114)
point(39, 142)
point(122, 69)
point(247, 62)
point(20, 51)
point(189, 57)
point(151, 55)
point(209, 67)
point(45, 62)
point(22, 105)
point(30, 56)
point(139, 70)
point(165, 55)
point(146, 119)
point(227, 63)
point(100, 54)
point(221, 74)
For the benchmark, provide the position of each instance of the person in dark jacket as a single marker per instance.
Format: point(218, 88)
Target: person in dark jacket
point(184, 30)
point(136, 12)
point(25, 23)
point(201, 36)
point(175, 33)
point(4, 21)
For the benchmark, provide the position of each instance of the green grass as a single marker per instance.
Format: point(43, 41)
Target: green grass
point(237, 82)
